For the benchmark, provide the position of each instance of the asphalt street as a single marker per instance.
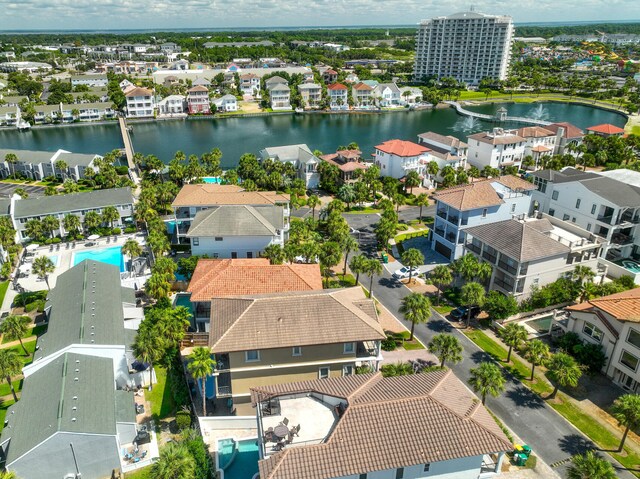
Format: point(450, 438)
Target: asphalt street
point(7, 189)
point(550, 436)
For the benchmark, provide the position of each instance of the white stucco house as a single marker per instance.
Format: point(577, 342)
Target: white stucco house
point(226, 103)
point(498, 148)
point(302, 158)
point(396, 158)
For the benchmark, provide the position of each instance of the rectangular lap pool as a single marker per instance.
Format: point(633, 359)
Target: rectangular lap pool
point(111, 255)
point(541, 324)
point(238, 459)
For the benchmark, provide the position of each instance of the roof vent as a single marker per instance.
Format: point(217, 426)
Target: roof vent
point(76, 379)
point(77, 361)
point(77, 370)
point(73, 419)
point(75, 398)
point(74, 408)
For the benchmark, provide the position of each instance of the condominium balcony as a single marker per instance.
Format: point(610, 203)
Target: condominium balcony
point(472, 247)
point(621, 239)
point(442, 214)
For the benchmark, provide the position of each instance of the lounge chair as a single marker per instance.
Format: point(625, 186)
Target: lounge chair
point(58, 247)
point(108, 239)
point(285, 421)
point(296, 430)
point(51, 248)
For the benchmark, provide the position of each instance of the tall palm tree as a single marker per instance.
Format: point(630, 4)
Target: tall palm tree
point(132, 249)
point(446, 347)
point(110, 214)
point(91, 220)
point(174, 325)
point(175, 462)
point(348, 244)
point(63, 167)
point(12, 159)
point(422, 200)
point(201, 367)
point(43, 267)
point(71, 223)
point(441, 276)
point(487, 379)
point(513, 335)
point(416, 308)
point(563, 371)
point(590, 466)
point(412, 258)
point(312, 202)
point(10, 365)
point(157, 286)
point(51, 224)
point(358, 265)
point(472, 294)
point(373, 267)
point(626, 409)
point(274, 253)
point(15, 328)
point(581, 274)
point(147, 347)
point(536, 353)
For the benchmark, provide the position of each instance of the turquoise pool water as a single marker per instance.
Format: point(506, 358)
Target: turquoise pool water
point(184, 300)
point(111, 255)
point(239, 460)
point(54, 260)
point(216, 180)
point(631, 266)
point(542, 324)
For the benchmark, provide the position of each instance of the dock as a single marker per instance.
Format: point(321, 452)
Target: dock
point(482, 116)
point(126, 139)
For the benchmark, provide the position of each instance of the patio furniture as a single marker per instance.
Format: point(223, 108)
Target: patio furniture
point(285, 421)
point(278, 446)
point(281, 431)
point(296, 430)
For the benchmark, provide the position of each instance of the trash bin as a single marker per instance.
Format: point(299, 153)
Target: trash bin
point(385, 258)
point(520, 459)
point(526, 450)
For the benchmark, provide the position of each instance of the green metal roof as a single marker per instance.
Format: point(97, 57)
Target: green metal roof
point(125, 406)
point(237, 220)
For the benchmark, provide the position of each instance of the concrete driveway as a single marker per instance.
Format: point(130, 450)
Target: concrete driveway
point(7, 189)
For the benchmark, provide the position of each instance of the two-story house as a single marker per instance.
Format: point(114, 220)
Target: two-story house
point(445, 150)
point(285, 337)
point(362, 95)
point(172, 105)
point(348, 162)
point(140, 102)
point(531, 252)
point(329, 76)
point(568, 136)
point(338, 96)
point(279, 93)
point(226, 103)
point(396, 158)
point(301, 157)
point(239, 277)
point(387, 94)
point(497, 148)
point(369, 426)
point(249, 84)
point(481, 202)
point(614, 323)
point(198, 100)
point(540, 142)
point(607, 206)
point(311, 94)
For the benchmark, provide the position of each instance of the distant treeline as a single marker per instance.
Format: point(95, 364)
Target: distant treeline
point(551, 31)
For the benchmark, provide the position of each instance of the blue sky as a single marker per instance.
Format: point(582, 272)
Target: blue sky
point(167, 14)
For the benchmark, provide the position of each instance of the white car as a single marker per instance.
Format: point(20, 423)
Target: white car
point(404, 272)
point(303, 260)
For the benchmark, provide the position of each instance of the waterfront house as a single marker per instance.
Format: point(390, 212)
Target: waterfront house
point(226, 103)
point(498, 148)
point(605, 130)
point(91, 80)
point(311, 94)
point(387, 95)
point(240, 277)
point(445, 151)
point(338, 96)
point(478, 203)
point(348, 162)
point(47, 114)
point(568, 136)
point(279, 94)
point(361, 426)
point(9, 115)
point(396, 158)
point(614, 323)
point(410, 95)
point(362, 95)
point(302, 159)
point(249, 84)
point(37, 165)
point(531, 252)
point(329, 76)
point(172, 105)
point(140, 102)
point(540, 142)
point(198, 100)
point(284, 337)
point(13, 100)
point(200, 81)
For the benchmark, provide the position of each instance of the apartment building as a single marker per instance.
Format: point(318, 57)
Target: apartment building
point(498, 148)
point(396, 158)
point(198, 100)
point(467, 46)
point(301, 157)
point(90, 80)
point(37, 165)
point(338, 96)
point(568, 136)
point(445, 151)
point(311, 94)
point(140, 102)
point(293, 336)
point(478, 203)
point(540, 142)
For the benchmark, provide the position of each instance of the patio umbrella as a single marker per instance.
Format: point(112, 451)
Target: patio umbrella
point(93, 237)
point(32, 247)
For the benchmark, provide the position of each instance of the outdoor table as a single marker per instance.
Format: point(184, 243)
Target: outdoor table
point(281, 431)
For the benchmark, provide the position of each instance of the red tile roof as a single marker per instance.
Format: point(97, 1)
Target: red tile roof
point(337, 86)
point(570, 131)
point(362, 86)
point(623, 306)
point(607, 129)
point(139, 91)
point(402, 148)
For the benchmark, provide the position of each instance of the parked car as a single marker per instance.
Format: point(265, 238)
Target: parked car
point(303, 260)
point(404, 272)
point(461, 313)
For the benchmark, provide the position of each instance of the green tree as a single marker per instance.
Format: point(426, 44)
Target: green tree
point(396, 369)
point(348, 244)
point(446, 347)
point(63, 167)
point(626, 410)
point(385, 229)
point(358, 265)
point(34, 229)
point(563, 371)
point(186, 266)
point(513, 335)
point(10, 365)
point(157, 286)
point(11, 159)
point(110, 214)
point(8, 474)
point(472, 294)
point(50, 191)
point(91, 220)
point(51, 224)
point(165, 266)
point(69, 186)
point(274, 253)
point(416, 308)
point(132, 249)
point(422, 200)
point(14, 328)
point(499, 306)
point(312, 202)
point(441, 276)
point(373, 267)
point(147, 347)
point(43, 267)
point(412, 258)
point(411, 180)
point(536, 353)
point(581, 274)
point(590, 466)
point(201, 366)
point(487, 379)
point(22, 193)
point(71, 223)
point(347, 193)
point(330, 255)
point(175, 462)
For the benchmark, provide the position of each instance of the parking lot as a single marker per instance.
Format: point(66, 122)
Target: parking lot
point(7, 189)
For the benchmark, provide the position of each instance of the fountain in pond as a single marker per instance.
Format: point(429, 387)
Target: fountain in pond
point(467, 124)
point(539, 113)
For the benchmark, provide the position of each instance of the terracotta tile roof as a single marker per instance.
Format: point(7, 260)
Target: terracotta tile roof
point(139, 91)
point(505, 139)
point(290, 319)
point(198, 88)
point(607, 129)
point(623, 306)
point(570, 131)
point(337, 86)
point(211, 195)
point(541, 149)
point(515, 183)
point(331, 72)
point(448, 140)
point(362, 86)
point(389, 423)
point(239, 277)
point(350, 154)
point(248, 76)
point(402, 148)
point(480, 194)
point(535, 132)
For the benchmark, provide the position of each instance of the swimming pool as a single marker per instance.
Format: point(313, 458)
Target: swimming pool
point(215, 180)
point(631, 265)
point(111, 255)
point(54, 260)
point(238, 459)
point(541, 324)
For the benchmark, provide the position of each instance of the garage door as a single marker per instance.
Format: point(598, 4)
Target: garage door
point(443, 250)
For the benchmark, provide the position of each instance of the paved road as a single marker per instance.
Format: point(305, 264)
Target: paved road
point(7, 189)
point(551, 437)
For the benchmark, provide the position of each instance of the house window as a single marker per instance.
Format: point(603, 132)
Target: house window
point(578, 204)
point(218, 238)
point(573, 220)
point(296, 351)
point(215, 255)
point(484, 212)
point(592, 331)
point(634, 338)
point(400, 473)
point(552, 212)
point(234, 255)
point(347, 370)
point(565, 217)
point(588, 226)
point(513, 208)
point(251, 356)
point(323, 373)
point(249, 254)
point(593, 209)
point(195, 241)
point(348, 348)
point(554, 195)
point(362, 476)
point(426, 468)
point(629, 360)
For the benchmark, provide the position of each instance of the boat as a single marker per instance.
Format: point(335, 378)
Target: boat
point(23, 125)
point(299, 110)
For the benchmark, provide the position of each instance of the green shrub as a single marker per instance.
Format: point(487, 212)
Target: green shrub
point(183, 419)
point(130, 229)
point(116, 231)
point(35, 305)
point(402, 227)
point(389, 344)
point(122, 170)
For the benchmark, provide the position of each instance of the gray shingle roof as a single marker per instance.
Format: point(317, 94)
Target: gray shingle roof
point(5, 203)
point(564, 176)
point(290, 153)
point(49, 395)
point(619, 193)
point(86, 308)
point(240, 220)
point(28, 156)
point(520, 241)
point(76, 159)
point(47, 205)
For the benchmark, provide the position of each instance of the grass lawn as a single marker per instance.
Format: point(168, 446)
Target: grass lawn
point(144, 473)
point(443, 309)
point(3, 290)
point(636, 130)
point(3, 411)
point(162, 403)
point(30, 347)
point(406, 344)
point(360, 210)
point(5, 390)
point(33, 331)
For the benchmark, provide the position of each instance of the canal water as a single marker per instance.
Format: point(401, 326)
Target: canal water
point(325, 132)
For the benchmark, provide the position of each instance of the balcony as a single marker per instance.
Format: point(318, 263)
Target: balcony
point(453, 219)
point(472, 247)
point(605, 219)
point(442, 214)
point(503, 285)
point(489, 257)
point(439, 231)
point(508, 268)
point(367, 350)
point(621, 239)
point(451, 237)
point(223, 385)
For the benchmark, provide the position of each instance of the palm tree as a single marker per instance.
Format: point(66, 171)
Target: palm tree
point(110, 214)
point(441, 276)
point(175, 462)
point(10, 365)
point(373, 267)
point(416, 308)
point(347, 193)
point(312, 202)
point(69, 186)
point(397, 369)
point(8, 475)
point(132, 249)
point(91, 220)
point(71, 223)
point(358, 265)
point(201, 367)
point(174, 325)
point(348, 244)
point(446, 347)
point(43, 267)
point(51, 224)
point(581, 274)
point(536, 353)
point(472, 294)
point(274, 253)
point(422, 200)
point(487, 379)
point(157, 286)
point(12, 159)
point(513, 335)
point(411, 180)
point(63, 167)
point(590, 466)
point(147, 347)
point(34, 229)
point(626, 409)
point(412, 258)
point(563, 371)
point(15, 328)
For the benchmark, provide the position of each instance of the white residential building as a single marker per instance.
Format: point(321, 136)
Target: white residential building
point(280, 96)
point(37, 165)
point(396, 158)
point(140, 102)
point(387, 95)
point(467, 46)
point(540, 142)
point(498, 148)
point(363, 96)
point(250, 84)
point(301, 157)
point(89, 80)
point(9, 115)
point(172, 105)
point(445, 151)
point(338, 96)
point(226, 103)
